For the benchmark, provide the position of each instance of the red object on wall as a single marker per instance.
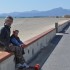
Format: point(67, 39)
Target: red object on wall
point(37, 67)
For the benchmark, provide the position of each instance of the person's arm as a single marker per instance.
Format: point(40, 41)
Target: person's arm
point(13, 40)
point(3, 33)
point(3, 36)
point(20, 41)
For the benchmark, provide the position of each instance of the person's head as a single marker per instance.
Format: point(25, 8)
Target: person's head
point(8, 20)
point(16, 32)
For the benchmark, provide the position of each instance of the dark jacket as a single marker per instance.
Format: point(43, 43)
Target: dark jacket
point(15, 40)
point(5, 36)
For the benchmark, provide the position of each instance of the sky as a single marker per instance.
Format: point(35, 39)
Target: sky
point(7, 6)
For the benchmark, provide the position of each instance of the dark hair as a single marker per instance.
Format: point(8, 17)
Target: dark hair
point(10, 17)
point(15, 31)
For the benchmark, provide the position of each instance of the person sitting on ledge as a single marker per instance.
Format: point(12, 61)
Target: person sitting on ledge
point(15, 40)
point(7, 46)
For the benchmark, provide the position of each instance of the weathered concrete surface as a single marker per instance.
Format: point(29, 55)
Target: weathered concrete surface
point(60, 57)
point(45, 52)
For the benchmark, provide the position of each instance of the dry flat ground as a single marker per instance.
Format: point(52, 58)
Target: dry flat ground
point(30, 27)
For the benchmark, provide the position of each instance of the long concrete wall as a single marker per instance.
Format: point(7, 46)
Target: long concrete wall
point(32, 47)
point(61, 26)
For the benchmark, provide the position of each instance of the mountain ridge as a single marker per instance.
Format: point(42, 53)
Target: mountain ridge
point(34, 13)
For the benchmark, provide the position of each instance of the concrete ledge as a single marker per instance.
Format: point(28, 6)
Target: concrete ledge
point(34, 45)
point(4, 55)
point(32, 40)
point(61, 26)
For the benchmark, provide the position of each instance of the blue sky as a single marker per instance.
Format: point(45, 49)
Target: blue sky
point(28, 5)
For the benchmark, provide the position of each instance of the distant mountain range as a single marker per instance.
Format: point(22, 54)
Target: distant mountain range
point(34, 13)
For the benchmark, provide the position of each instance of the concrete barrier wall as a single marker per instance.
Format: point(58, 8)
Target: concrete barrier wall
point(36, 46)
point(8, 64)
point(61, 26)
point(32, 47)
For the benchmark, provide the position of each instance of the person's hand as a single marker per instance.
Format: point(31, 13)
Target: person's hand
point(22, 45)
point(19, 45)
point(10, 45)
